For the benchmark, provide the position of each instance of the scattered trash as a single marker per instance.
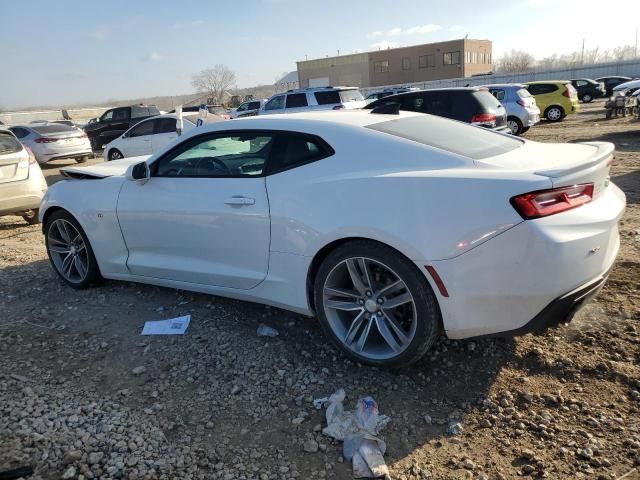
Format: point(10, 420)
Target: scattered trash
point(358, 430)
point(266, 331)
point(171, 326)
point(454, 427)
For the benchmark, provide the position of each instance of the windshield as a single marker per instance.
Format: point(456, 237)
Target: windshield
point(8, 143)
point(350, 96)
point(455, 137)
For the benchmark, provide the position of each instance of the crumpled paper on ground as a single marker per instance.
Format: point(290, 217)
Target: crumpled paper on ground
point(358, 430)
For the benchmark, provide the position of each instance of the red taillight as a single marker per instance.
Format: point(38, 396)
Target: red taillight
point(32, 157)
point(338, 107)
point(566, 93)
point(520, 102)
point(46, 140)
point(484, 118)
point(549, 202)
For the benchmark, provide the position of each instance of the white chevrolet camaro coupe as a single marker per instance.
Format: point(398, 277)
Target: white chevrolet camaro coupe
point(391, 229)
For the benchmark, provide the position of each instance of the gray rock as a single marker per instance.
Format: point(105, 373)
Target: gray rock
point(69, 473)
point(139, 370)
point(310, 446)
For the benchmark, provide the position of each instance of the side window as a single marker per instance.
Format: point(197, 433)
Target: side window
point(327, 97)
point(139, 112)
point(107, 116)
point(276, 103)
point(217, 155)
point(292, 150)
point(120, 114)
point(242, 107)
point(406, 63)
point(499, 94)
point(142, 129)
point(581, 83)
point(253, 106)
point(295, 100)
point(164, 125)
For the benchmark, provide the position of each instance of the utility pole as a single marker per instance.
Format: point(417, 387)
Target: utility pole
point(582, 59)
point(636, 42)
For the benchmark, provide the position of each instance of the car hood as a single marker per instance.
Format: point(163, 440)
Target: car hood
point(103, 170)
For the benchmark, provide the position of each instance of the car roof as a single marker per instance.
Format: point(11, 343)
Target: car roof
point(304, 120)
point(614, 76)
point(585, 79)
point(503, 85)
point(537, 82)
point(316, 89)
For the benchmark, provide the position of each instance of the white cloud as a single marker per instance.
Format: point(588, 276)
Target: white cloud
point(456, 28)
point(383, 45)
point(100, 33)
point(428, 28)
point(396, 31)
point(154, 57)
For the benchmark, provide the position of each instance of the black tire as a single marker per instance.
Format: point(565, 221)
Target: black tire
point(518, 125)
point(93, 271)
point(82, 159)
point(94, 144)
point(554, 113)
point(114, 154)
point(31, 217)
point(587, 98)
point(525, 129)
point(428, 313)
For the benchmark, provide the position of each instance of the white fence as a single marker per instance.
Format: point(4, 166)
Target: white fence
point(629, 68)
point(80, 114)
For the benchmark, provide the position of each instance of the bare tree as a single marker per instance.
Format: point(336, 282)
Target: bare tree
point(515, 61)
point(215, 82)
point(626, 52)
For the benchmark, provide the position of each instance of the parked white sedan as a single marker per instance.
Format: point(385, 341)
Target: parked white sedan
point(54, 141)
point(145, 137)
point(389, 228)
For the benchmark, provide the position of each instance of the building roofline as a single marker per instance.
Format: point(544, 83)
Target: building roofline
point(394, 49)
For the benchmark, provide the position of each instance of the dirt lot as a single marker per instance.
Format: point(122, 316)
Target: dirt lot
point(220, 402)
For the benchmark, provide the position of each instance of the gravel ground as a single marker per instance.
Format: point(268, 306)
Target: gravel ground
point(83, 395)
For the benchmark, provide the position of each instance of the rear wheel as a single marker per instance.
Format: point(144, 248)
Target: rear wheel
point(525, 129)
point(554, 113)
point(587, 97)
point(515, 125)
point(31, 216)
point(115, 154)
point(69, 251)
point(375, 305)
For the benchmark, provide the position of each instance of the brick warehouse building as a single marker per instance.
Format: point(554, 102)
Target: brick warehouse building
point(393, 66)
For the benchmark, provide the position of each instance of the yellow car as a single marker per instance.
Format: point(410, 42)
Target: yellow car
point(555, 98)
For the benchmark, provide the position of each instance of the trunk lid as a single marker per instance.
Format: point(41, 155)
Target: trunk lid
point(564, 164)
point(14, 159)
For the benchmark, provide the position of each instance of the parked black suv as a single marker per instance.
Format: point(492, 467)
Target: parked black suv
point(473, 105)
point(611, 82)
point(115, 122)
point(588, 89)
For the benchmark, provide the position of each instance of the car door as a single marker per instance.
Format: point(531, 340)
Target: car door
point(203, 215)
point(137, 141)
point(118, 124)
point(165, 132)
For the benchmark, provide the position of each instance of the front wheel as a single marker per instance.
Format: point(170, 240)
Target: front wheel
point(69, 251)
point(375, 305)
point(115, 154)
point(554, 113)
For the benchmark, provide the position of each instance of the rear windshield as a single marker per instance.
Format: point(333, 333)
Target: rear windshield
point(523, 93)
point(329, 97)
point(8, 143)
point(486, 100)
point(455, 137)
point(53, 128)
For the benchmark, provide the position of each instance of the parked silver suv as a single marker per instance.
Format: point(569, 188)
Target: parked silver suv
point(522, 111)
point(311, 99)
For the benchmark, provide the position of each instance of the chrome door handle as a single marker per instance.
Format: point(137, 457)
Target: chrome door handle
point(239, 200)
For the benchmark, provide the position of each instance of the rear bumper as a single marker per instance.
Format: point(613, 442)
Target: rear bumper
point(23, 195)
point(535, 271)
point(560, 310)
point(47, 157)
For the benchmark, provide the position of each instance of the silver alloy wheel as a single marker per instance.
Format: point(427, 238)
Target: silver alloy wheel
point(369, 308)
point(115, 155)
point(513, 126)
point(554, 114)
point(68, 251)
point(586, 98)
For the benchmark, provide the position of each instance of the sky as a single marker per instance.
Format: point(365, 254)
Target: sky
point(81, 52)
